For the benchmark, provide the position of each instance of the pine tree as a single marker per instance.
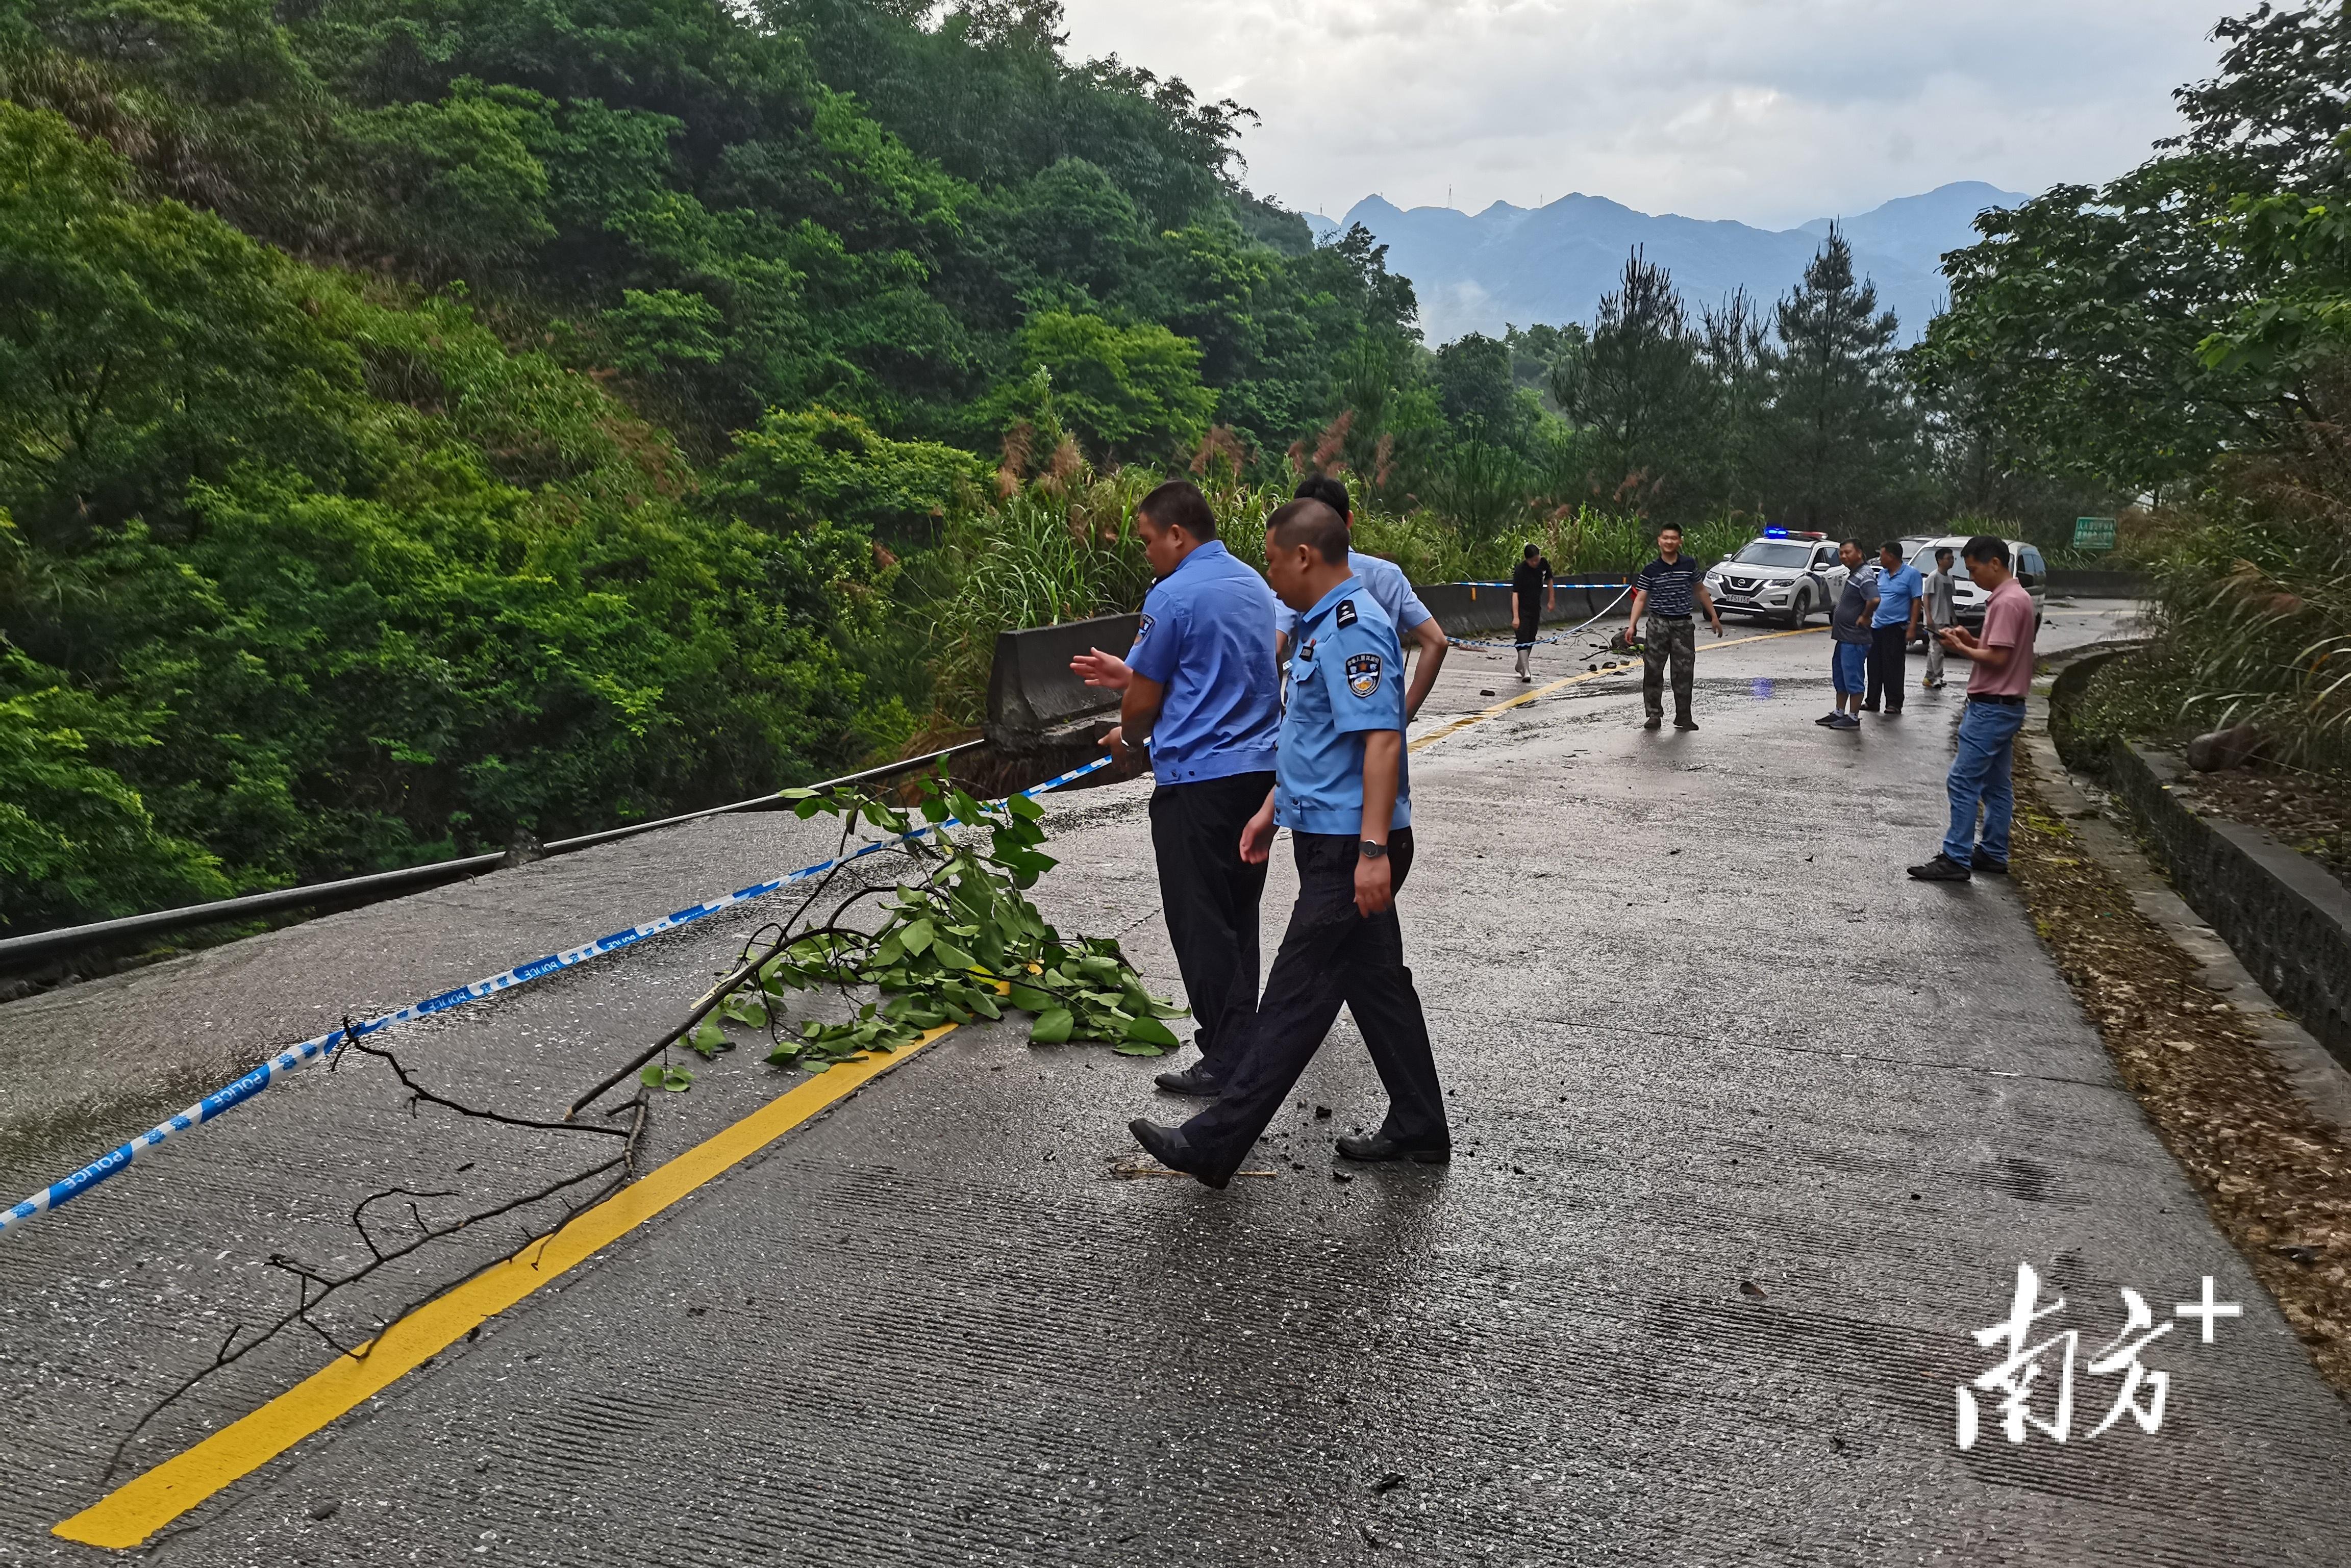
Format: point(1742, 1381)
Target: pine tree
point(1837, 401)
point(1640, 386)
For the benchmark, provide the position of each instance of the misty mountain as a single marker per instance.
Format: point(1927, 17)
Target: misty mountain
point(1552, 263)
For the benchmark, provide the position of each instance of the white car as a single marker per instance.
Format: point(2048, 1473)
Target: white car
point(1780, 575)
point(1967, 598)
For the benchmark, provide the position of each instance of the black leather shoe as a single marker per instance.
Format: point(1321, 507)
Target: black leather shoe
point(1654, 720)
point(1380, 1147)
point(1167, 1146)
point(1991, 863)
point(1942, 868)
point(1194, 1079)
point(1684, 722)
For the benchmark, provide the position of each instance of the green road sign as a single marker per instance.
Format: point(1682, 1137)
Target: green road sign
point(2094, 533)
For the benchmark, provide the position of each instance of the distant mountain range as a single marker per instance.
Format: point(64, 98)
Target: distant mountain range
point(1552, 263)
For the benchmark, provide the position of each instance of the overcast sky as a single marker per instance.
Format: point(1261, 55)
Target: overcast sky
point(1771, 111)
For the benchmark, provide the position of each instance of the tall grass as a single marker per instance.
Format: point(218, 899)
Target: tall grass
point(2257, 602)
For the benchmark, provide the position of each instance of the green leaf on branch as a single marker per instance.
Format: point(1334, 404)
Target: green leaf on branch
point(1052, 1027)
point(660, 1075)
point(1151, 1031)
point(709, 1038)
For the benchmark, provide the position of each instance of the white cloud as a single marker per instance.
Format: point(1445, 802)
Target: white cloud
point(1771, 111)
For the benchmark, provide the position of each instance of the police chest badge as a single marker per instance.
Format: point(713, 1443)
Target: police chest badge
point(1363, 673)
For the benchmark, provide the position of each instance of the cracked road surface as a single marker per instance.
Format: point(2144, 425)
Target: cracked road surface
point(1752, 1132)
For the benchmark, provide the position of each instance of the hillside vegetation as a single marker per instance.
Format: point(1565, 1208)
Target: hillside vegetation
point(422, 423)
point(427, 422)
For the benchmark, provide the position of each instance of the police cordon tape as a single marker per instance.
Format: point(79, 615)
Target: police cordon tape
point(322, 1047)
point(1556, 636)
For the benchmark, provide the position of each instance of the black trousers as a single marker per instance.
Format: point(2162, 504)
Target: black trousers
point(1209, 895)
point(1889, 665)
point(1331, 955)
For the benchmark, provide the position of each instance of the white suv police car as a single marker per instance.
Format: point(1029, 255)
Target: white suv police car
point(1778, 575)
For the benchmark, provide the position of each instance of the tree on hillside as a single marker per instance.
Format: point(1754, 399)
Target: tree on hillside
point(1736, 335)
point(1638, 382)
point(1474, 387)
point(1837, 402)
point(2130, 332)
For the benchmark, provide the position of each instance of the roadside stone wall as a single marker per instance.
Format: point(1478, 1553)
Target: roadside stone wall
point(2288, 920)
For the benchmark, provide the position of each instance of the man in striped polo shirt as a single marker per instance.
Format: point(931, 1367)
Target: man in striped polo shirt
point(1665, 588)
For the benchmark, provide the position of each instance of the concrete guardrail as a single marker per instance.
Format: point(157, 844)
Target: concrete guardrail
point(2288, 919)
point(1034, 703)
point(1036, 707)
point(2089, 582)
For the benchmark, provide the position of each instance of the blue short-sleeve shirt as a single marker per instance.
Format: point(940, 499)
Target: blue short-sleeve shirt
point(1388, 585)
point(1346, 679)
point(1207, 637)
point(1896, 592)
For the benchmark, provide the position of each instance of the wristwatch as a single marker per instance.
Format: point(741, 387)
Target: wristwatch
point(1373, 852)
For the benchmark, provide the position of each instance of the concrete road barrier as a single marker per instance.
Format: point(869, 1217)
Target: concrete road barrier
point(2089, 582)
point(1034, 703)
point(1464, 608)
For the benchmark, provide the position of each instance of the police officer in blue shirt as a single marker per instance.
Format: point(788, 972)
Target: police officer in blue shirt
point(1343, 792)
point(1386, 582)
point(1200, 690)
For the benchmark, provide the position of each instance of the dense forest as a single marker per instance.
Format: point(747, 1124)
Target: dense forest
point(423, 422)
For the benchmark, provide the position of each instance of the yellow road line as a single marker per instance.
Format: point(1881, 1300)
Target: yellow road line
point(1434, 736)
point(135, 1511)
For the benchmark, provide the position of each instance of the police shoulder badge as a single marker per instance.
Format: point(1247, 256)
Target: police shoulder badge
point(1363, 673)
point(1143, 630)
point(1345, 613)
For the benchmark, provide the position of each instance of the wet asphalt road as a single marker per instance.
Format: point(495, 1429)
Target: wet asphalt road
point(1704, 1040)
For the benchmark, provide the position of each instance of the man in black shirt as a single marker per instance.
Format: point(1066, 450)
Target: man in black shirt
point(1665, 588)
point(1531, 596)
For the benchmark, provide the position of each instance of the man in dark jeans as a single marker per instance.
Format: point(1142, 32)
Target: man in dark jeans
point(1200, 687)
point(1345, 795)
point(1531, 593)
point(1665, 589)
point(1891, 623)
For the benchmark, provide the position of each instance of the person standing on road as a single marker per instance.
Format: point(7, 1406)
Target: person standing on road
point(1981, 774)
point(1344, 793)
point(1938, 601)
point(1199, 688)
point(1849, 638)
point(1531, 597)
point(1386, 583)
point(1891, 626)
point(1665, 588)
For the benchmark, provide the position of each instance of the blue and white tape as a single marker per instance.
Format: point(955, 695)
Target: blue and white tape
point(1559, 636)
point(322, 1047)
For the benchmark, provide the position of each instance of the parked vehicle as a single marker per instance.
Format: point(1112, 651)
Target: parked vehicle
point(1780, 576)
point(1967, 598)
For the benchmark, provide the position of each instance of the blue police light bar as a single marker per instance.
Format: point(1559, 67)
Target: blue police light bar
point(1775, 533)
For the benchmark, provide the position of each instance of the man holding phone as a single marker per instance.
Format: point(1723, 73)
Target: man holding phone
point(1344, 791)
point(1981, 774)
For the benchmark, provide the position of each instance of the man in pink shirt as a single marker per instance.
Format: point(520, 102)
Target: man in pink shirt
point(2002, 657)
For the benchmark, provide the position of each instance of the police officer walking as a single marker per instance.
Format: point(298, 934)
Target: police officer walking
point(1344, 791)
point(1200, 689)
point(1387, 584)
